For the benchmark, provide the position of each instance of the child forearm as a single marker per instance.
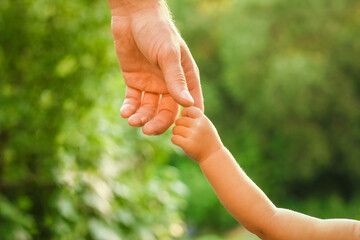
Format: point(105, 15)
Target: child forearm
point(250, 206)
point(241, 197)
point(287, 224)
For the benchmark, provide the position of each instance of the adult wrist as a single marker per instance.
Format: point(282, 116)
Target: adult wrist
point(128, 7)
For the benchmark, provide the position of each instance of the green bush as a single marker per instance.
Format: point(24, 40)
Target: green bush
point(70, 168)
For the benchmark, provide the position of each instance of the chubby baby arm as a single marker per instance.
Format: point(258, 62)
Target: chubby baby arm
point(196, 135)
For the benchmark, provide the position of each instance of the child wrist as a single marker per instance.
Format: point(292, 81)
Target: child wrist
point(220, 149)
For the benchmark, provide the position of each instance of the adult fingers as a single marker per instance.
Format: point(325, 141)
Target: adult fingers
point(192, 112)
point(146, 111)
point(170, 63)
point(181, 131)
point(168, 111)
point(131, 103)
point(192, 75)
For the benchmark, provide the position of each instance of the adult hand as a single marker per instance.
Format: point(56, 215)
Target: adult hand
point(156, 64)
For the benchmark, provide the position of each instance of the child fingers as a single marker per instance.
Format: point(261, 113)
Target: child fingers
point(192, 112)
point(178, 140)
point(181, 131)
point(184, 121)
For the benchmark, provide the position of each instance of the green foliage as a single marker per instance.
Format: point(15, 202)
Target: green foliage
point(70, 168)
point(280, 81)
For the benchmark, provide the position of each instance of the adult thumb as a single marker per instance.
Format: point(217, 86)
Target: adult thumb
point(175, 79)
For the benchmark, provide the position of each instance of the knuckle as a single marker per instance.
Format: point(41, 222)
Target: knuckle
point(179, 77)
point(168, 52)
point(169, 49)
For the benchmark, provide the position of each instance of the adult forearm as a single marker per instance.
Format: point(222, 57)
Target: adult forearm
point(237, 192)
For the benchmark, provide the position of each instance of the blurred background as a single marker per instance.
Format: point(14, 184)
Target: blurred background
point(281, 82)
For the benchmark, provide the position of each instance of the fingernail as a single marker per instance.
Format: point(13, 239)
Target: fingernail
point(186, 95)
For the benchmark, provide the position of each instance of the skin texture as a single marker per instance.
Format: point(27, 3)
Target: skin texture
point(157, 66)
point(197, 136)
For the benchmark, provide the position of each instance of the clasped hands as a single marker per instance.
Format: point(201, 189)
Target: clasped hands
point(159, 71)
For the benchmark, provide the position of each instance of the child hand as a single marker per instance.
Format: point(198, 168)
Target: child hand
point(195, 134)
